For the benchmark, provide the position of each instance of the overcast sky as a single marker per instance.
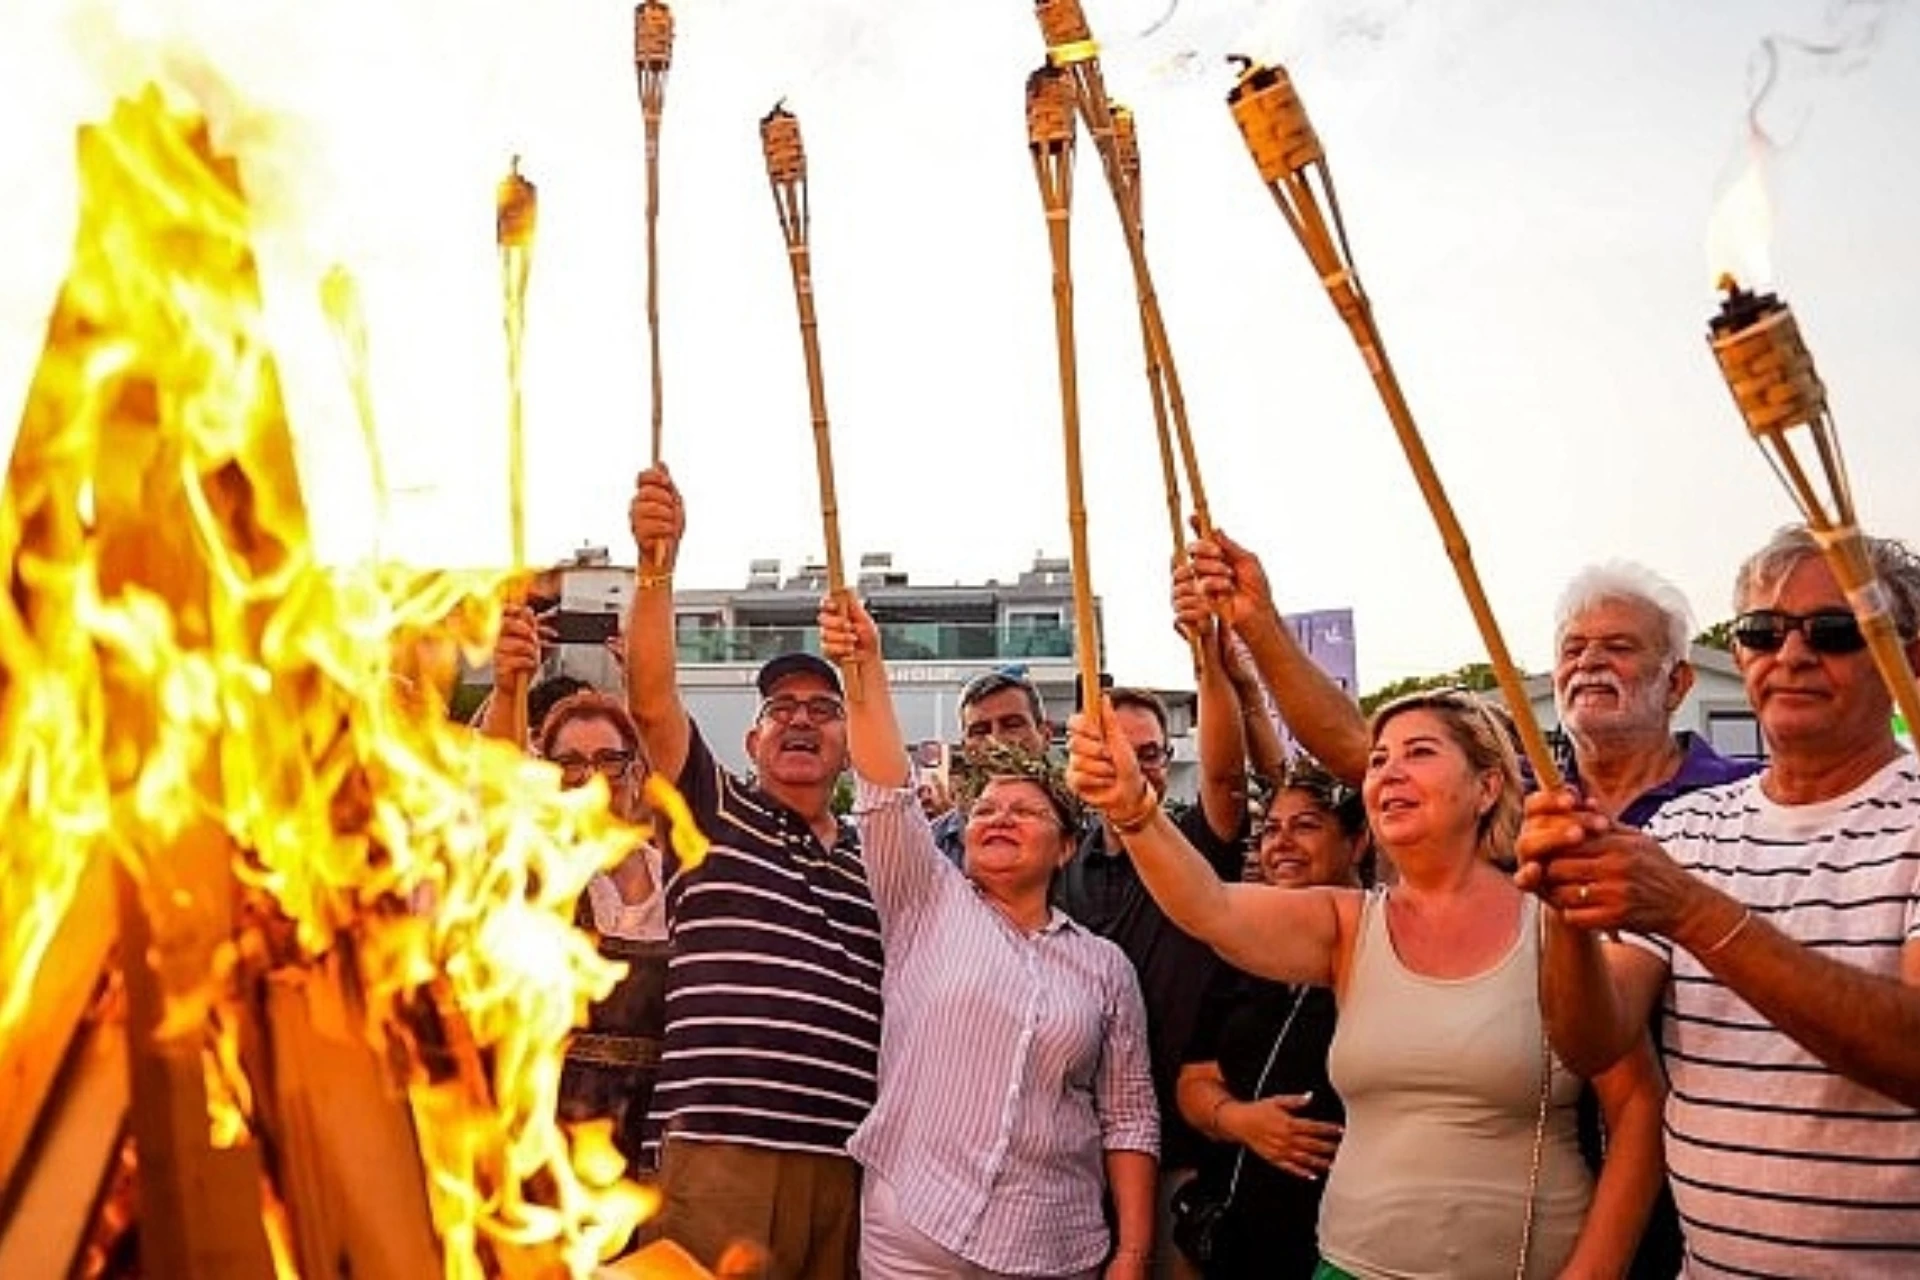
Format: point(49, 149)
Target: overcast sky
point(1528, 186)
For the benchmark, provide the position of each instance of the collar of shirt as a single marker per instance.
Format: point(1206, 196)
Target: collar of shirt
point(1057, 920)
point(1700, 766)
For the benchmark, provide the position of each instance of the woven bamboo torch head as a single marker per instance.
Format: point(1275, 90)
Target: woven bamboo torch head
point(780, 140)
point(1770, 372)
point(1126, 144)
point(516, 210)
point(652, 36)
point(1050, 111)
point(1063, 24)
point(1273, 121)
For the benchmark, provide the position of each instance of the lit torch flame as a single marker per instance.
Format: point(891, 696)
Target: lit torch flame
point(1740, 232)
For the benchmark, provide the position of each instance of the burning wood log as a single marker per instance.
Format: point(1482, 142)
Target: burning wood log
point(190, 702)
point(652, 59)
point(1050, 140)
point(1292, 163)
point(1770, 372)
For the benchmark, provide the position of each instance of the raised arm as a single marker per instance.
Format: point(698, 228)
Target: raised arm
point(1321, 714)
point(1861, 1025)
point(658, 521)
point(850, 640)
point(1596, 997)
point(1219, 727)
point(516, 656)
point(1292, 935)
point(1266, 753)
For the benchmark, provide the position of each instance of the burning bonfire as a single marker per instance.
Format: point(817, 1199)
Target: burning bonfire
point(286, 962)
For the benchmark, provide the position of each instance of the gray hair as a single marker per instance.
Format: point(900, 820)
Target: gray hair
point(1894, 563)
point(1625, 580)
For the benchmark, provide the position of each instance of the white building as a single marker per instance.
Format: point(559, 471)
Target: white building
point(936, 638)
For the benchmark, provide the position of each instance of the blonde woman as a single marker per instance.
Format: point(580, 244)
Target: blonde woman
point(1459, 1158)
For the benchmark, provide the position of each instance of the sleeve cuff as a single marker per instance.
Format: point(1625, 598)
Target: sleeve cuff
point(871, 797)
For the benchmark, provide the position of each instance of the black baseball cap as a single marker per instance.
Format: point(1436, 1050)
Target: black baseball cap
point(780, 666)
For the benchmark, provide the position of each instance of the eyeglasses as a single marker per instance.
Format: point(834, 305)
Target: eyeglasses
point(612, 764)
point(1152, 755)
point(1034, 813)
point(1834, 632)
point(819, 709)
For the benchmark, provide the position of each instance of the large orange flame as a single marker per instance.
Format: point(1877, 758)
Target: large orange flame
point(173, 660)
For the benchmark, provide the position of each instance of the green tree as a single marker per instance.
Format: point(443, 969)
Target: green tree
point(1477, 676)
point(1717, 636)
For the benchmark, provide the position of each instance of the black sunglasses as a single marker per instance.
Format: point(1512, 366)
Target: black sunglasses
point(1834, 632)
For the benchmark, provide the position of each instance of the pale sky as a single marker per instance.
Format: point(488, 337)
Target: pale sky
point(1528, 185)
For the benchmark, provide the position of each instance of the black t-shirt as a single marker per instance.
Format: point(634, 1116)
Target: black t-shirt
point(1270, 1229)
point(1102, 892)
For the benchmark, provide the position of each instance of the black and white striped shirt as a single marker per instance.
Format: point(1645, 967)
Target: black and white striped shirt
point(773, 991)
point(1780, 1166)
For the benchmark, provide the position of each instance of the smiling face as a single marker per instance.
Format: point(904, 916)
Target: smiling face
point(1303, 844)
point(793, 747)
point(1812, 705)
point(1422, 789)
point(592, 745)
point(1613, 674)
point(1014, 837)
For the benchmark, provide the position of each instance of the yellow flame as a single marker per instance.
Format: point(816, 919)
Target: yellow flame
point(173, 660)
point(1740, 232)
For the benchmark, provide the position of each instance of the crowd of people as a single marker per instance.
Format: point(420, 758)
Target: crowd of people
point(1381, 1010)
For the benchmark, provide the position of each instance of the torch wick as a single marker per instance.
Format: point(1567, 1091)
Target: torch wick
point(1240, 63)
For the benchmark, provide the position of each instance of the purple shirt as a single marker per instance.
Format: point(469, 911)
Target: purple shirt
point(1010, 1062)
point(1700, 767)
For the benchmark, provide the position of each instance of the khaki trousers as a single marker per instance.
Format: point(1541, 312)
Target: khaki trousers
point(753, 1214)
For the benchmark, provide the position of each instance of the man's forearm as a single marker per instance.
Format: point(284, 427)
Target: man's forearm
point(653, 691)
point(1586, 1021)
point(1861, 1025)
point(1326, 721)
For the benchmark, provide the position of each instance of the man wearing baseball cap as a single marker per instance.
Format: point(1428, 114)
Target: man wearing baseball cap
point(773, 992)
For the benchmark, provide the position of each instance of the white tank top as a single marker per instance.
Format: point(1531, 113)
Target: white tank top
point(1441, 1080)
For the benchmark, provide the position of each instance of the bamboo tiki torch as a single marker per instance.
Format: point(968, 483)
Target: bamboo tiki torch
point(1779, 393)
point(786, 157)
point(1050, 138)
point(340, 299)
point(1072, 49)
point(652, 58)
point(517, 210)
point(1126, 145)
point(1288, 154)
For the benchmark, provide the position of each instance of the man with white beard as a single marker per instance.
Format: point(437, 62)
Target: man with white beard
point(1620, 672)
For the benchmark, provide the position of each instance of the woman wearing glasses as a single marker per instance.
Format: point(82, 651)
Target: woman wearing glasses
point(1459, 1157)
point(1255, 1080)
point(1014, 1081)
point(610, 1062)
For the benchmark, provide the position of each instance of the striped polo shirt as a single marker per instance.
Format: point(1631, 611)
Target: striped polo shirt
point(1781, 1167)
point(773, 990)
